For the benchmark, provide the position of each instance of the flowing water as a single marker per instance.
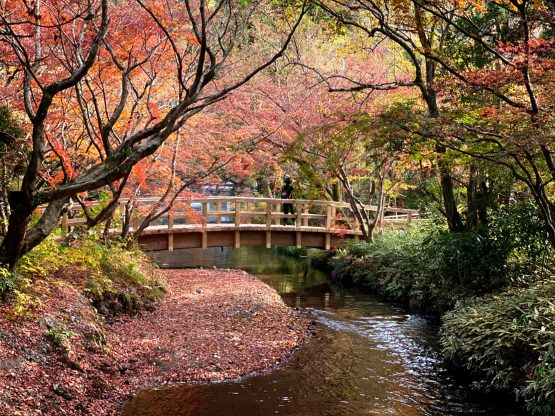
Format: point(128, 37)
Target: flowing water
point(367, 357)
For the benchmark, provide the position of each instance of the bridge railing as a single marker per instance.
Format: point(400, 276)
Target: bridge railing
point(248, 211)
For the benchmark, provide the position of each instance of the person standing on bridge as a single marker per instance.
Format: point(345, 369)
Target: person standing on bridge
point(286, 193)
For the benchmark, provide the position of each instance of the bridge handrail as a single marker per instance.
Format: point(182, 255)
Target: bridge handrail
point(267, 214)
point(311, 202)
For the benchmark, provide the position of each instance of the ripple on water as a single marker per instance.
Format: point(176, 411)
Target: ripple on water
point(368, 358)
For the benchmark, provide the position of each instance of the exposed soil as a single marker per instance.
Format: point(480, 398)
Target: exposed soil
point(212, 325)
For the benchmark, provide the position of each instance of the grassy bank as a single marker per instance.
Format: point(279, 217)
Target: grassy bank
point(493, 288)
point(53, 329)
point(114, 279)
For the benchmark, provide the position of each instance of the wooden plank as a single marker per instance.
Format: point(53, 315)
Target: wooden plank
point(327, 244)
point(268, 239)
point(237, 239)
point(204, 214)
point(65, 227)
point(170, 219)
point(277, 211)
point(268, 215)
point(204, 239)
point(298, 239)
point(248, 217)
point(218, 212)
point(170, 242)
point(237, 213)
point(298, 216)
point(313, 217)
point(328, 217)
point(305, 215)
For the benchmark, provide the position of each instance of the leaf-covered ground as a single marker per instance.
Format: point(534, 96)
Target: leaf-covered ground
point(212, 325)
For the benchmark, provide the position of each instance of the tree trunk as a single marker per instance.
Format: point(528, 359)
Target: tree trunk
point(20, 215)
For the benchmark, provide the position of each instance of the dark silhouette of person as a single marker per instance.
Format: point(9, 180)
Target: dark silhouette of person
point(286, 193)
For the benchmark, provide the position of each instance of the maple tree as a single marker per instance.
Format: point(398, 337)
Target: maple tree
point(512, 126)
point(111, 82)
point(492, 59)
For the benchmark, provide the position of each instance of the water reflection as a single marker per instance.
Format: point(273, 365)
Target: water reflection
point(368, 357)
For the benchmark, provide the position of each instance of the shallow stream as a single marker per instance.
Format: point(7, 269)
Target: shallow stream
point(367, 358)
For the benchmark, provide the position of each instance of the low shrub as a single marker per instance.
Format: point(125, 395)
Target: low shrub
point(434, 268)
point(7, 283)
point(120, 279)
point(291, 251)
point(114, 278)
point(389, 266)
point(507, 341)
point(59, 336)
point(320, 259)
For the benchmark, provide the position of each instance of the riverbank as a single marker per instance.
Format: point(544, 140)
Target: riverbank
point(63, 358)
point(494, 300)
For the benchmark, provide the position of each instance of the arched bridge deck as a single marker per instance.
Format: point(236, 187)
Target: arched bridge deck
point(240, 221)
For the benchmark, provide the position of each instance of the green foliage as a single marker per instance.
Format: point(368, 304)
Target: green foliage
point(291, 251)
point(114, 278)
point(435, 268)
point(389, 266)
point(508, 341)
point(320, 258)
point(120, 280)
point(7, 283)
point(10, 131)
point(521, 231)
point(42, 261)
point(59, 336)
point(24, 305)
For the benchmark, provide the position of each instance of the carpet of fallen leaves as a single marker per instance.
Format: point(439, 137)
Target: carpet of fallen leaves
point(212, 325)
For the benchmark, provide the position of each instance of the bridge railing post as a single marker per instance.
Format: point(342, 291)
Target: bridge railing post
point(237, 213)
point(237, 224)
point(268, 224)
point(219, 209)
point(277, 219)
point(171, 217)
point(268, 215)
point(409, 217)
point(328, 216)
point(170, 229)
point(204, 225)
point(64, 225)
point(204, 214)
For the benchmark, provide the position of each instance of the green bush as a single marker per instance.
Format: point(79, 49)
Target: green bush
point(59, 336)
point(291, 251)
point(389, 266)
point(320, 259)
point(114, 278)
point(434, 267)
point(121, 280)
point(508, 342)
point(521, 231)
point(7, 283)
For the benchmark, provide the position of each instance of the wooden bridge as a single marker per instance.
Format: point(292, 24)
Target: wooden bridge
point(242, 221)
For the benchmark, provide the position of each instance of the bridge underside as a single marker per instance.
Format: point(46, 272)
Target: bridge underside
point(314, 237)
